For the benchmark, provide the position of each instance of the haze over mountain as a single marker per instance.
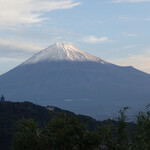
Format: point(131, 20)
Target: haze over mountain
point(63, 76)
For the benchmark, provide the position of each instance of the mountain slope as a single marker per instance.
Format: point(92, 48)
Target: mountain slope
point(66, 77)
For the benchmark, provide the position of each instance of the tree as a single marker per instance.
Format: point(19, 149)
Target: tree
point(27, 136)
point(64, 132)
point(142, 138)
point(122, 134)
point(106, 137)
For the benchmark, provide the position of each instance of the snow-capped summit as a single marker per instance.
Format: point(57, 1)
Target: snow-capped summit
point(62, 52)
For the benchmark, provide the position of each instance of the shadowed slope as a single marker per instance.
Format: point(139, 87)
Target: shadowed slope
point(89, 87)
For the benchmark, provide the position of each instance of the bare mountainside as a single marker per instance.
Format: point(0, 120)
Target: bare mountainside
point(63, 76)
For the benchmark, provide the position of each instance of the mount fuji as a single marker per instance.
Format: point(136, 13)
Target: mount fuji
point(63, 76)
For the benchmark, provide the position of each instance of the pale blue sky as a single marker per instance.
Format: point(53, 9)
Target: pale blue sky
point(114, 30)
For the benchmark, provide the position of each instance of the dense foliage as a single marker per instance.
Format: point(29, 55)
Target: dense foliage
point(61, 133)
point(37, 128)
point(65, 132)
point(11, 112)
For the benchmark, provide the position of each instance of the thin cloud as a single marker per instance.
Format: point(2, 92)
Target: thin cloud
point(9, 62)
point(18, 12)
point(141, 62)
point(130, 1)
point(126, 18)
point(17, 45)
point(129, 47)
point(147, 19)
point(129, 34)
point(95, 40)
point(8, 59)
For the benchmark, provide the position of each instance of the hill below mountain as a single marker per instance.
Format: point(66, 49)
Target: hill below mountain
point(11, 112)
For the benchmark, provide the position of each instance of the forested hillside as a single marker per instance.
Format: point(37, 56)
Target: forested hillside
point(26, 126)
point(11, 112)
